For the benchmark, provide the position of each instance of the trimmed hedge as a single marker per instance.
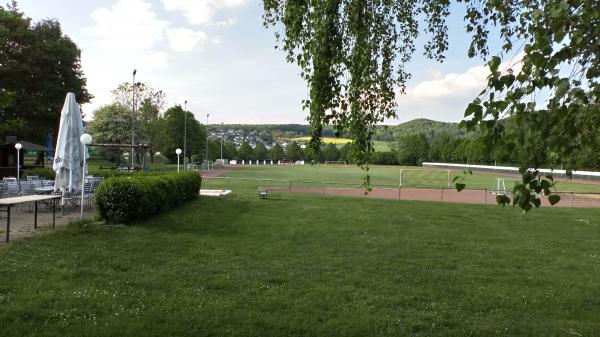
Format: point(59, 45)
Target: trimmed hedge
point(42, 172)
point(128, 199)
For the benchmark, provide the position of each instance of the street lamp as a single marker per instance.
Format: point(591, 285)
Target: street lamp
point(178, 152)
point(18, 146)
point(132, 115)
point(86, 139)
point(185, 134)
point(207, 142)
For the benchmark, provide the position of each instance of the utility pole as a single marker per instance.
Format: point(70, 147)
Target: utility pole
point(132, 118)
point(185, 134)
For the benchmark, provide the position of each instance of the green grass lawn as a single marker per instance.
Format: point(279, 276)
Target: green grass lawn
point(304, 265)
point(387, 175)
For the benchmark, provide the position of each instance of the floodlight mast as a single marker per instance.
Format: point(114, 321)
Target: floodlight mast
point(207, 142)
point(185, 134)
point(132, 117)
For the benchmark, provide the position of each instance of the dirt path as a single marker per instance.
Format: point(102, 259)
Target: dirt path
point(443, 195)
point(22, 218)
point(216, 172)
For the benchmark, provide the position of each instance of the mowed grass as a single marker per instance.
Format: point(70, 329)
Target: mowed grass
point(351, 175)
point(304, 265)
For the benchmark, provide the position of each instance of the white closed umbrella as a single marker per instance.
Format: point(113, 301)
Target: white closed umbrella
point(68, 157)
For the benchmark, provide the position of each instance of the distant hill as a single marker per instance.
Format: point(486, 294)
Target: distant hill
point(270, 132)
point(426, 126)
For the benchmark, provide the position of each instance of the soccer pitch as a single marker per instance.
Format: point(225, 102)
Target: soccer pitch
point(386, 176)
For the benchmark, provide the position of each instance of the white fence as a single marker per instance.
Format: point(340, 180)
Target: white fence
point(583, 175)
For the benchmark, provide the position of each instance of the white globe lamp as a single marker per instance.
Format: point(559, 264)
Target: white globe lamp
point(178, 152)
point(18, 146)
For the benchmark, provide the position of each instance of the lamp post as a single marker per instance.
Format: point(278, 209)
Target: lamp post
point(86, 139)
point(207, 142)
point(178, 152)
point(185, 134)
point(18, 146)
point(132, 116)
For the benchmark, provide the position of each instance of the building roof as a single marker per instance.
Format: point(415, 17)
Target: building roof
point(32, 147)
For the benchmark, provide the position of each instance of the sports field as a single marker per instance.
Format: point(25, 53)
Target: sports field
point(306, 265)
point(352, 176)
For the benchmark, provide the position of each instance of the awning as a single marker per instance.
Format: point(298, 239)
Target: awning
point(32, 147)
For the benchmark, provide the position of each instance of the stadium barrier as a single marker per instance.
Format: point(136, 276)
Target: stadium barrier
point(398, 192)
point(582, 175)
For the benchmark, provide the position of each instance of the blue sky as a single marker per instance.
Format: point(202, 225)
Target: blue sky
point(217, 55)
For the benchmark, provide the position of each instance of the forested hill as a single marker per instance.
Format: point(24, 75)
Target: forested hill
point(270, 132)
point(421, 125)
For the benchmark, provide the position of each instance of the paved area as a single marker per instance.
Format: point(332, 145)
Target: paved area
point(21, 221)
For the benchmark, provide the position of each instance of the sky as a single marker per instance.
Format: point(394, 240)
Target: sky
point(217, 55)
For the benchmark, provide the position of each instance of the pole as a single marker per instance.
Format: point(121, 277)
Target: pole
point(19, 168)
point(222, 132)
point(184, 134)
point(177, 163)
point(400, 184)
point(82, 182)
point(132, 117)
point(207, 141)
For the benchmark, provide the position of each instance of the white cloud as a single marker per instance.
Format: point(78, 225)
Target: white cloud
point(451, 84)
point(201, 12)
point(445, 96)
point(126, 25)
point(186, 40)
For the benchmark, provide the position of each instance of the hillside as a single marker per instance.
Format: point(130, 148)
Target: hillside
point(267, 133)
point(426, 126)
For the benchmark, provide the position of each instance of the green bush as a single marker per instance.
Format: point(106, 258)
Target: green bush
point(127, 199)
point(384, 158)
point(42, 172)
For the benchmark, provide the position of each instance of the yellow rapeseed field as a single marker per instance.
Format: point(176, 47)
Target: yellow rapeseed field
point(326, 140)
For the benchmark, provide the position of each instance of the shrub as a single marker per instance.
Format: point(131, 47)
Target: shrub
point(127, 199)
point(42, 172)
point(384, 158)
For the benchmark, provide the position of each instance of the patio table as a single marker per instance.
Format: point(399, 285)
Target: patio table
point(7, 203)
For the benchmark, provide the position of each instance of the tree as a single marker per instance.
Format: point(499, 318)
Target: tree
point(413, 149)
point(346, 153)
point(293, 152)
point(171, 138)
point(353, 54)
point(144, 95)
point(111, 125)
point(39, 66)
point(260, 151)
point(277, 152)
point(229, 150)
point(313, 156)
point(245, 151)
point(214, 149)
point(331, 153)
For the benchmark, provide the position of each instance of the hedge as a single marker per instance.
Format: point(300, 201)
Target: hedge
point(127, 199)
point(42, 172)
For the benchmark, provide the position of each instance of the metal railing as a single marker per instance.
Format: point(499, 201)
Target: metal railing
point(389, 191)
